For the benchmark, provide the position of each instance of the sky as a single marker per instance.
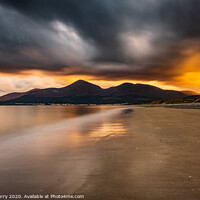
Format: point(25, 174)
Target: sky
point(52, 43)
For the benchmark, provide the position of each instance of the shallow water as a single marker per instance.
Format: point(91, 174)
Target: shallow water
point(15, 118)
point(42, 146)
point(102, 152)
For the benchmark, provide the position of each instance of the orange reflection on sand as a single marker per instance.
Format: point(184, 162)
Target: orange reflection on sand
point(76, 132)
point(108, 130)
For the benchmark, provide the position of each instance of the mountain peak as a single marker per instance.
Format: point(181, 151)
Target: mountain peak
point(126, 84)
point(81, 83)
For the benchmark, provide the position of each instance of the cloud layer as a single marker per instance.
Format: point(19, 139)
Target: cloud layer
point(108, 39)
point(9, 84)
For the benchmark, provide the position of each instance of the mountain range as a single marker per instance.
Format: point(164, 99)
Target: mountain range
point(82, 92)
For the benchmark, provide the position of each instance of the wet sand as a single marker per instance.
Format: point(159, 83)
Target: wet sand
point(150, 153)
point(157, 158)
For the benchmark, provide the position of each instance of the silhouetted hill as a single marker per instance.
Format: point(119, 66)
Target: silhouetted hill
point(11, 96)
point(189, 93)
point(194, 97)
point(143, 90)
point(82, 92)
point(81, 88)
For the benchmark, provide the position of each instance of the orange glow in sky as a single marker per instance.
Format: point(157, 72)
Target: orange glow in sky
point(188, 78)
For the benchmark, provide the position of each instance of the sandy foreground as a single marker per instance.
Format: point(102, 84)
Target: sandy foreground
point(150, 153)
point(157, 158)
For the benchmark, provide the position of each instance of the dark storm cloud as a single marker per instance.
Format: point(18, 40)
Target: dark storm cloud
point(110, 39)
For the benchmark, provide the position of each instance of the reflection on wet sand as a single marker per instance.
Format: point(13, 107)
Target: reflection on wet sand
point(151, 153)
point(16, 118)
point(54, 158)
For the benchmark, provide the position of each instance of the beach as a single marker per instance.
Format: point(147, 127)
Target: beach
point(117, 152)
